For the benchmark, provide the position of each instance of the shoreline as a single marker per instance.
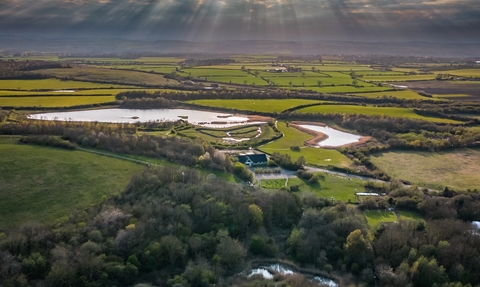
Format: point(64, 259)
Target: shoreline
point(319, 136)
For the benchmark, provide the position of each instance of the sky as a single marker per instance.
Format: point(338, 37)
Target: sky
point(219, 20)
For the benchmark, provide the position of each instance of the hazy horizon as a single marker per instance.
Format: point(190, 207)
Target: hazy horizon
point(433, 21)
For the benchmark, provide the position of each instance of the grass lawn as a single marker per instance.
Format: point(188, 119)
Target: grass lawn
point(375, 217)
point(459, 168)
point(52, 84)
point(61, 101)
point(269, 106)
point(45, 184)
point(371, 111)
point(317, 156)
point(341, 188)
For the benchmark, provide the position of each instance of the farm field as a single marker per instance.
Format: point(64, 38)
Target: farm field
point(110, 75)
point(371, 111)
point(316, 156)
point(399, 78)
point(45, 184)
point(344, 89)
point(50, 102)
point(91, 92)
point(52, 84)
point(267, 106)
point(475, 73)
point(457, 169)
point(340, 188)
point(402, 94)
point(375, 217)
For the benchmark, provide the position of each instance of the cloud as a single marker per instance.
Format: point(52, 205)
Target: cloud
point(372, 20)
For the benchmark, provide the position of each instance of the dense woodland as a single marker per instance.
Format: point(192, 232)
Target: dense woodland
point(170, 229)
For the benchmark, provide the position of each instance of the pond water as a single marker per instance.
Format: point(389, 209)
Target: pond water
point(210, 119)
point(335, 137)
point(266, 273)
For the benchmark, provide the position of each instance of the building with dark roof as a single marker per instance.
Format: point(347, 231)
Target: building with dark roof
point(253, 159)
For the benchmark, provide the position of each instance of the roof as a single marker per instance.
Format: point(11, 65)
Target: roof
point(255, 158)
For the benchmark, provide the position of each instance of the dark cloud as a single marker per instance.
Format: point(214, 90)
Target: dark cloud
point(210, 20)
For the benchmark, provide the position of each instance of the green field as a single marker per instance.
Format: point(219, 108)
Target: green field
point(110, 75)
point(45, 184)
point(373, 111)
point(338, 187)
point(317, 156)
point(344, 89)
point(399, 78)
point(403, 94)
point(375, 217)
point(267, 106)
point(90, 92)
point(273, 183)
point(458, 169)
point(52, 84)
point(464, 73)
point(50, 102)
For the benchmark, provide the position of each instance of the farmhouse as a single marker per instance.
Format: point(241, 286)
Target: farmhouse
point(253, 159)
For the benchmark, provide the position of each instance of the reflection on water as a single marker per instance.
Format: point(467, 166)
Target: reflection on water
point(266, 272)
point(335, 137)
point(211, 119)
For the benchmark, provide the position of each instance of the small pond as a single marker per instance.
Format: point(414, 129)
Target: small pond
point(208, 119)
point(335, 138)
point(266, 272)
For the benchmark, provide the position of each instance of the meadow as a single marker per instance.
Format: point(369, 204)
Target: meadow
point(316, 156)
point(52, 101)
point(338, 187)
point(266, 106)
point(109, 75)
point(398, 78)
point(401, 94)
point(46, 184)
point(475, 73)
point(373, 111)
point(53, 84)
point(457, 169)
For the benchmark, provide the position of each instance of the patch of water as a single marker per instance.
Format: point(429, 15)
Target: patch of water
point(335, 138)
point(209, 119)
point(277, 268)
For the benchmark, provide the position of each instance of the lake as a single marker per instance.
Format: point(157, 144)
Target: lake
point(208, 119)
point(266, 272)
point(335, 138)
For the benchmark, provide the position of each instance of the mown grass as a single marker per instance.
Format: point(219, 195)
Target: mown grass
point(52, 84)
point(316, 156)
point(338, 187)
point(375, 217)
point(267, 106)
point(456, 169)
point(50, 102)
point(373, 111)
point(45, 184)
